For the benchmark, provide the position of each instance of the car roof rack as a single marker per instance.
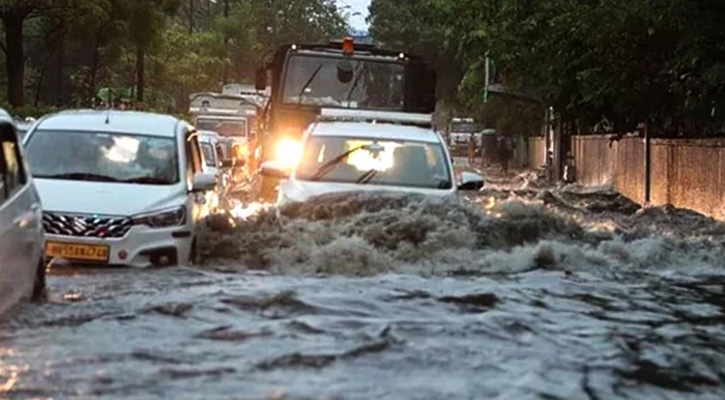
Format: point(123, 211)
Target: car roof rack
point(356, 115)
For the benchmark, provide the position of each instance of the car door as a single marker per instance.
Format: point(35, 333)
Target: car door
point(21, 240)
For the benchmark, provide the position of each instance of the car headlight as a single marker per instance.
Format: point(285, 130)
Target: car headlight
point(162, 219)
point(288, 152)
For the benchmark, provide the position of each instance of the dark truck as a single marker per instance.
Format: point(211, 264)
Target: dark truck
point(308, 77)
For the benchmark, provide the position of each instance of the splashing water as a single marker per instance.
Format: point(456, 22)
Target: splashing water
point(364, 234)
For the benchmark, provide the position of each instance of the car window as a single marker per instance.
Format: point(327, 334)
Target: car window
point(224, 127)
point(103, 157)
point(208, 153)
point(11, 165)
point(395, 163)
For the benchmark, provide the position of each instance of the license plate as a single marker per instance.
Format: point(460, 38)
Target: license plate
point(81, 252)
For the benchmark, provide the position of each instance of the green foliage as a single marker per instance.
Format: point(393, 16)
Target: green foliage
point(76, 47)
point(656, 61)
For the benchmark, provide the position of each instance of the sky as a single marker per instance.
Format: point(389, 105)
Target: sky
point(357, 6)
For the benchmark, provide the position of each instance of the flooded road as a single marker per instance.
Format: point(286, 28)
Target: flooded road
point(520, 293)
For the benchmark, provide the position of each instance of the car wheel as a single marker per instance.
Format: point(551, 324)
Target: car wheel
point(40, 291)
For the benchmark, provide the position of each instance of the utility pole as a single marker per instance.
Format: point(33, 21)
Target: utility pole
point(487, 82)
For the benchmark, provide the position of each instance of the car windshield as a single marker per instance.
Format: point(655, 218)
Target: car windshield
point(106, 157)
point(208, 153)
point(366, 84)
point(385, 162)
point(224, 127)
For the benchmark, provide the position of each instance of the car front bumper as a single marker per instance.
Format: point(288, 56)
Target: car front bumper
point(141, 247)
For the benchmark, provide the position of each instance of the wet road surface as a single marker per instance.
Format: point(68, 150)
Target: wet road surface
point(535, 297)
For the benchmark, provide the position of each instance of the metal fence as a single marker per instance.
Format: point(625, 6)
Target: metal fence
point(686, 173)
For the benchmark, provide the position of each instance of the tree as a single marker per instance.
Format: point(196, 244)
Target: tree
point(659, 61)
point(14, 14)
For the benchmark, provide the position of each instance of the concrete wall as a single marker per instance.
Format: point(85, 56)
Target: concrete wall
point(684, 173)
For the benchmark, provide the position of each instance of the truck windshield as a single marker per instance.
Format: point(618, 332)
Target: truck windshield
point(372, 85)
point(224, 127)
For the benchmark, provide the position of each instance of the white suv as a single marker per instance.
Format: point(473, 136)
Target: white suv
point(355, 150)
point(120, 188)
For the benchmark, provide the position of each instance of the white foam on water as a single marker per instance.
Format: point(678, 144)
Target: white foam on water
point(364, 234)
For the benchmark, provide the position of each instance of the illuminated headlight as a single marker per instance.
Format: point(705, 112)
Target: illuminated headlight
point(162, 219)
point(288, 152)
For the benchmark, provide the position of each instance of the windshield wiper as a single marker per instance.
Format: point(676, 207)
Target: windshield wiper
point(149, 180)
point(79, 176)
point(366, 177)
point(329, 166)
point(308, 83)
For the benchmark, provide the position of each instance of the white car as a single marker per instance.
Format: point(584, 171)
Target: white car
point(210, 151)
point(22, 262)
point(119, 187)
point(352, 150)
point(213, 164)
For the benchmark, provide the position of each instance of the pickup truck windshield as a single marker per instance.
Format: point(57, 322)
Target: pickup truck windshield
point(398, 163)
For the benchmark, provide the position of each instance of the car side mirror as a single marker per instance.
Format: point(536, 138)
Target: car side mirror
point(226, 163)
point(274, 169)
point(203, 183)
point(471, 182)
point(261, 79)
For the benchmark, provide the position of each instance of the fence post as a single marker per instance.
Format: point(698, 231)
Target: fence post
point(647, 165)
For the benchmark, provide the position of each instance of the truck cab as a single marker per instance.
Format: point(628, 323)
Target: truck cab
point(339, 75)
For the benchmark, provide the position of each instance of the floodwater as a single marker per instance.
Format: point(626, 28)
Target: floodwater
point(517, 293)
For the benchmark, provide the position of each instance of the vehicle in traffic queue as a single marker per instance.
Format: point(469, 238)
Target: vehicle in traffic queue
point(460, 131)
point(231, 115)
point(345, 75)
point(212, 164)
point(356, 150)
point(22, 261)
point(119, 187)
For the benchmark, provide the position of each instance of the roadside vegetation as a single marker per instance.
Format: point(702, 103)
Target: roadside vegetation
point(149, 53)
point(601, 64)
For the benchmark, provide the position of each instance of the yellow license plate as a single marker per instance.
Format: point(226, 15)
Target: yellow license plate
point(82, 252)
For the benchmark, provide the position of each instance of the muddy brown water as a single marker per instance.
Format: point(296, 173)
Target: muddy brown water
point(360, 297)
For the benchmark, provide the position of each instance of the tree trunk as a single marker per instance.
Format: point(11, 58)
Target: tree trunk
point(15, 57)
point(140, 66)
point(191, 16)
point(43, 72)
point(60, 61)
point(94, 70)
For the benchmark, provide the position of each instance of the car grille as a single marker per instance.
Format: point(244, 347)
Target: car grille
point(86, 226)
